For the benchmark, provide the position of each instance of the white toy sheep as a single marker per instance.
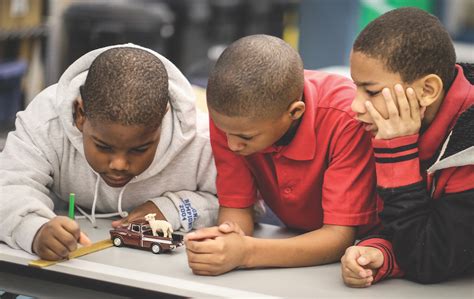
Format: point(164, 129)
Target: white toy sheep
point(159, 225)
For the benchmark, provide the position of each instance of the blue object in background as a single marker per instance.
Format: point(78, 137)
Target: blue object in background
point(10, 89)
point(327, 31)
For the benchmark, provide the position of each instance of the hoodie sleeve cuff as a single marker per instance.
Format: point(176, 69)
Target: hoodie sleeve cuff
point(389, 267)
point(168, 209)
point(396, 161)
point(26, 231)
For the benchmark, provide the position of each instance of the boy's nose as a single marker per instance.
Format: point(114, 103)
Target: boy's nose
point(234, 143)
point(119, 163)
point(358, 105)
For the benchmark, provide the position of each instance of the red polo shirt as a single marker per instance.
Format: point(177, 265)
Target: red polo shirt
point(324, 176)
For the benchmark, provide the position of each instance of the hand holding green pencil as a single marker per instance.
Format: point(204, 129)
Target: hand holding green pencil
point(57, 238)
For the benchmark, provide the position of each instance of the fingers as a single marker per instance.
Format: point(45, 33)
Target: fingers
point(57, 238)
point(349, 262)
point(390, 104)
point(120, 222)
point(84, 240)
point(204, 233)
point(201, 258)
point(204, 246)
point(210, 257)
point(67, 239)
point(49, 254)
point(376, 117)
point(371, 258)
point(231, 227)
point(205, 269)
point(353, 274)
point(202, 261)
point(52, 248)
point(72, 227)
point(214, 232)
point(363, 260)
point(355, 282)
point(403, 105)
point(414, 105)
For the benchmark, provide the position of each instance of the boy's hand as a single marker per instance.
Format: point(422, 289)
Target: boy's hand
point(140, 212)
point(402, 121)
point(359, 265)
point(57, 238)
point(216, 250)
point(213, 232)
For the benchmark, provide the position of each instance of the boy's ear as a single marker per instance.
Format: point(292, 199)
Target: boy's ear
point(429, 89)
point(296, 109)
point(79, 115)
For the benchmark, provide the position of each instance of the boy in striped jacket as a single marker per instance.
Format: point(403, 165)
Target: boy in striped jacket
point(419, 105)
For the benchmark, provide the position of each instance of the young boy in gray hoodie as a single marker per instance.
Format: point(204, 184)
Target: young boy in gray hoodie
point(119, 130)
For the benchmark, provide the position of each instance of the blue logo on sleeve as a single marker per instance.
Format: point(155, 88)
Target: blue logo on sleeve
point(188, 213)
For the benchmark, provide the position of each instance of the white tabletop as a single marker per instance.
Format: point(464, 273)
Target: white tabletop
point(169, 273)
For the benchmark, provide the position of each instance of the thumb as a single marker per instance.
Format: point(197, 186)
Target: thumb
point(371, 259)
point(120, 222)
point(84, 240)
point(230, 227)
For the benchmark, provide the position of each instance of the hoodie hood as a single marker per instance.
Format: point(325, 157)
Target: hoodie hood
point(178, 125)
point(458, 149)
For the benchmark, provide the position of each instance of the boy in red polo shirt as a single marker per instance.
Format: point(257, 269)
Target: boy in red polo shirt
point(419, 105)
point(286, 136)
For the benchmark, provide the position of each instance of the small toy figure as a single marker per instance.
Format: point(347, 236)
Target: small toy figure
point(159, 225)
point(140, 234)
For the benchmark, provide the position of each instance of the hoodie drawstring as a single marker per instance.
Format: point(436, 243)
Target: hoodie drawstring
point(93, 216)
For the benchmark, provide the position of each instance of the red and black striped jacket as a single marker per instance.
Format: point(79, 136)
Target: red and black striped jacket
point(426, 182)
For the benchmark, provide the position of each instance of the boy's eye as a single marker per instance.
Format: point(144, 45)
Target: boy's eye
point(246, 138)
point(140, 150)
point(103, 147)
point(372, 93)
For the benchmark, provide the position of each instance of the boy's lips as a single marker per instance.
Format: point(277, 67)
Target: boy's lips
point(116, 181)
point(368, 126)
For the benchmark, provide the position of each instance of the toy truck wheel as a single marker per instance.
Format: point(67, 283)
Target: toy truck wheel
point(155, 248)
point(118, 241)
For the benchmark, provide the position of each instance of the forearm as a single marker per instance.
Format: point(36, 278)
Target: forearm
point(325, 245)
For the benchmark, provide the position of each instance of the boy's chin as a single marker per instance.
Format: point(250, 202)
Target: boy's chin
point(116, 183)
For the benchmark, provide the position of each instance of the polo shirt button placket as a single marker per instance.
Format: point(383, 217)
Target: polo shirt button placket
point(288, 190)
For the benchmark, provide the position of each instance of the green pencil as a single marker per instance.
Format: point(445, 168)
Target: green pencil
point(71, 205)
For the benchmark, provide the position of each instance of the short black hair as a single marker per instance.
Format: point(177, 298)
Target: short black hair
point(128, 86)
point(410, 42)
point(257, 76)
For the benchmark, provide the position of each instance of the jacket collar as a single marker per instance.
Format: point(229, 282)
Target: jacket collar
point(454, 103)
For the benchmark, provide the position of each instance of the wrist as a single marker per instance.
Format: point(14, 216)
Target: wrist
point(34, 243)
point(249, 249)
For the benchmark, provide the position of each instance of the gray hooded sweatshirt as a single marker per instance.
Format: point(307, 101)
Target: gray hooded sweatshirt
point(43, 161)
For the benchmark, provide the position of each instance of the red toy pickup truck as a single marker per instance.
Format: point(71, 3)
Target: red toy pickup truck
point(138, 234)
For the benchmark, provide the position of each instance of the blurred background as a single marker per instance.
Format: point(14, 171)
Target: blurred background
point(40, 38)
